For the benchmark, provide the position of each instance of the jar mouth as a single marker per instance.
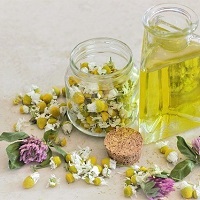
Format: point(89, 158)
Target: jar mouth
point(170, 19)
point(93, 49)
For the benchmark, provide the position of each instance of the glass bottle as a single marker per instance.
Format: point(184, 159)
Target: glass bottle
point(101, 86)
point(170, 72)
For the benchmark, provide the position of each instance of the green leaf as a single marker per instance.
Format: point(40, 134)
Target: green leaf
point(149, 189)
point(14, 155)
point(182, 169)
point(59, 150)
point(185, 149)
point(45, 163)
point(13, 136)
point(149, 185)
point(162, 175)
point(50, 135)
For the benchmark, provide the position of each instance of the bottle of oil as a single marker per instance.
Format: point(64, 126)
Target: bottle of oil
point(170, 72)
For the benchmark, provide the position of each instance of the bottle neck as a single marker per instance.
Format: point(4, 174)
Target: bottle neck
point(170, 26)
point(173, 42)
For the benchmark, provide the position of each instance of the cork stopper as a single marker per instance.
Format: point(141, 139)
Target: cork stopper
point(124, 145)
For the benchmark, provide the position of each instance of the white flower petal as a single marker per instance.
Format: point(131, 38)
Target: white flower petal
point(84, 69)
point(172, 157)
point(113, 164)
point(112, 93)
point(20, 124)
point(35, 176)
point(106, 172)
point(183, 184)
point(53, 181)
point(67, 127)
point(92, 107)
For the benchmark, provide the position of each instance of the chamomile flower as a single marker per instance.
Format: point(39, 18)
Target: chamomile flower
point(80, 116)
point(141, 177)
point(24, 109)
point(69, 177)
point(115, 105)
point(75, 158)
point(101, 71)
point(136, 167)
point(103, 124)
point(35, 111)
point(55, 162)
point(54, 110)
point(124, 113)
point(55, 91)
point(94, 171)
point(108, 162)
point(34, 88)
point(84, 153)
point(106, 172)
point(97, 106)
point(17, 100)
point(31, 180)
point(84, 69)
point(129, 190)
point(172, 156)
point(112, 94)
point(76, 176)
point(73, 89)
point(41, 120)
point(49, 126)
point(196, 192)
point(91, 65)
point(63, 110)
point(186, 190)
point(99, 181)
point(115, 122)
point(35, 97)
point(90, 88)
point(21, 123)
point(53, 181)
point(61, 141)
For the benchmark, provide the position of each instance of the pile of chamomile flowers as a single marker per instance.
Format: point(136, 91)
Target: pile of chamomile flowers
point(47, 110)
point(78, 165)
point(81, 165)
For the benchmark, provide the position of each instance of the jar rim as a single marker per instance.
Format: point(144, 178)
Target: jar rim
point(154, 13)
point(100, 40)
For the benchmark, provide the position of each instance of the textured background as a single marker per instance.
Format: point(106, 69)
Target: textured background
point(36, 37)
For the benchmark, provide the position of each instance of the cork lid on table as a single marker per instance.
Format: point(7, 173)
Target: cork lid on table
point(124, 145)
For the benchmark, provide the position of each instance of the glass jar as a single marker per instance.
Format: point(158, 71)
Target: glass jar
point(170, 72)
point(101, 86)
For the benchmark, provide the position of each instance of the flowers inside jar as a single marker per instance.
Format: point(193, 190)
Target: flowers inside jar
point(101, 86)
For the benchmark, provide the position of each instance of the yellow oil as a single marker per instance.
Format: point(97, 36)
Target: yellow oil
point(169, 92)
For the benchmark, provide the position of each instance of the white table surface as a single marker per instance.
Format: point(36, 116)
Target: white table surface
point(36, 37)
